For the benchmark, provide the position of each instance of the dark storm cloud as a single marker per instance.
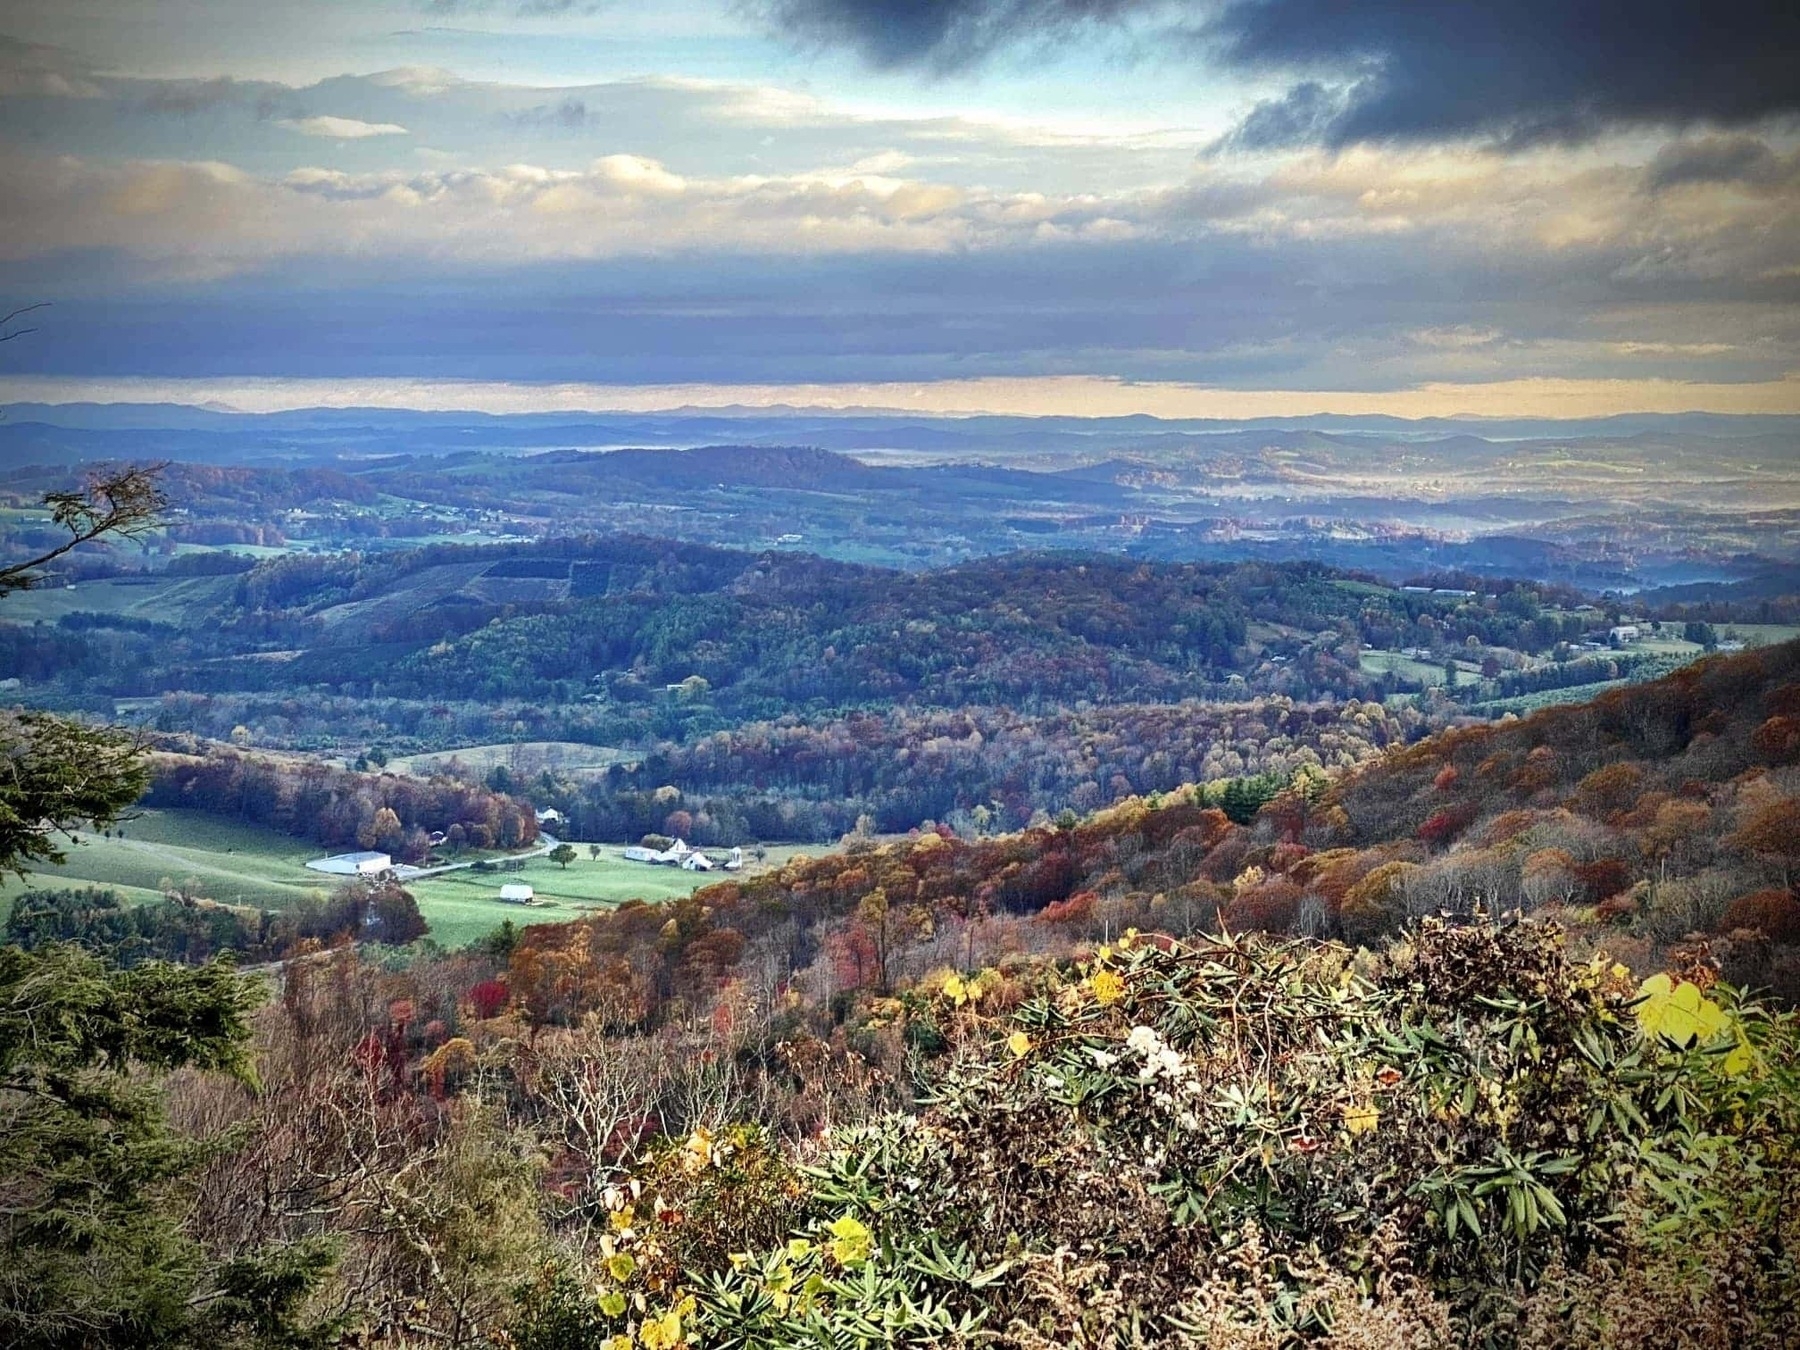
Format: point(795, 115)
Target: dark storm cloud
point(1519, 71)
point(1742, 160)
point(1525, 70)
point(1303, 116)
point(940, 34)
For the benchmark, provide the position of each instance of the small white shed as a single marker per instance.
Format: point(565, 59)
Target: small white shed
point(517, 893)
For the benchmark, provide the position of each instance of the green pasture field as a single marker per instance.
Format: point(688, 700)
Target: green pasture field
point(1665, 645)
point(1523, 704)
point(248, 865)
point(231, 863)
point(464, 905)
point(1428, 673)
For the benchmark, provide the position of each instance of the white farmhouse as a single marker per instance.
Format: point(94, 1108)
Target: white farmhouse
point(677, 854)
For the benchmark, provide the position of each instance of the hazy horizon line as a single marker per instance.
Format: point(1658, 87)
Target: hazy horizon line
point(1066, 396)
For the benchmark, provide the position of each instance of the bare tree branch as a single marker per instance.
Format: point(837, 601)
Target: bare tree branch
point(123, 503)
point(6, 321)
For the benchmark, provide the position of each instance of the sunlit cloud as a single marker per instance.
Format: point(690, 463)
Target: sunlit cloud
point(341, 128)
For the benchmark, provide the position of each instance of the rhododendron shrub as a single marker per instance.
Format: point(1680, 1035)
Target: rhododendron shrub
point(1465, 1137)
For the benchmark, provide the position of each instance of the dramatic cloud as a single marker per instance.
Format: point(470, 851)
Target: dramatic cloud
point(1363, 269)
point(944, 34)
point(1520, 71)
point(1741, 160)
point(1400, 211)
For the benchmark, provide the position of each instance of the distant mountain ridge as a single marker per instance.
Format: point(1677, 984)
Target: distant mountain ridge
point(856, 429)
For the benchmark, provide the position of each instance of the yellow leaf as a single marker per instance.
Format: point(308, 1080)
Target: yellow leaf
point(1019, 1043)
point(851, 1241)
point(1361, 1118)
point(1739, 1060)
point(956, 991)
point(661, 1333)
point(613, 1304)
point(620, 1266)
point(1679, 1013)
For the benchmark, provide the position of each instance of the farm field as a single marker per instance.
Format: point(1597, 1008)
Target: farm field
point(527, 757)
point(1428, 673)
point(1525, 704)
point(1663, 645)
point(233, 864)
point(1760, 634)
point(1750, 634)
point(462, 906)
point(175, 600)
point(244, 865)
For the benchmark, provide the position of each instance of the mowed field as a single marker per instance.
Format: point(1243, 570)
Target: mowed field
point(1427, 673)
point(245, 865)
point(461, 906)
point(233, 864)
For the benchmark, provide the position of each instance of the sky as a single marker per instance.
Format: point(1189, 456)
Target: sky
point(1187, 207)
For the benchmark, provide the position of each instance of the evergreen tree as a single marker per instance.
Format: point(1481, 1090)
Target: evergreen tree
point(92, 1248)
point(93, 1253)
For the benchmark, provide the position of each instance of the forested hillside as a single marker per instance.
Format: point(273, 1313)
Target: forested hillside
point(994, 1090)
point(623, 637)
point(335, 808)
point(982, 770)
point(1660, 812)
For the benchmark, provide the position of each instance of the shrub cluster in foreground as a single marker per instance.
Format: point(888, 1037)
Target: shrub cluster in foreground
point(1470, 1137)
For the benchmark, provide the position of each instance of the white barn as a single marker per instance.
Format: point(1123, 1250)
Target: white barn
point(353, 864)
point(517, 893)
point(677, 854)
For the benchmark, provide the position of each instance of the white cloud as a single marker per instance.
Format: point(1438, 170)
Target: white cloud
point(1367, 269)
point(341, 128)
point(620, 205)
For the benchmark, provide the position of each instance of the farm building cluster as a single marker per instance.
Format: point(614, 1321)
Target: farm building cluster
point(679, 854)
